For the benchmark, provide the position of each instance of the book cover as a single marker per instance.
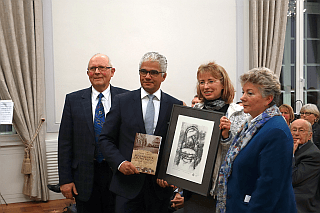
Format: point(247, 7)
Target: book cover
point(145, 153)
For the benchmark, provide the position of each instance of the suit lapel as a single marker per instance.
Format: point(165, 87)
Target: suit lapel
point(113, 93)
point(162, 113)
point(87, 108)
point(137, 108)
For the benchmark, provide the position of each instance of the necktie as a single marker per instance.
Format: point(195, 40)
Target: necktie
point(99, 119)
point(149, 119)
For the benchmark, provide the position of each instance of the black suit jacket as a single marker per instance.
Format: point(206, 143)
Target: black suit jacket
point(305, 178)
point(124, 120)
point(76, 142)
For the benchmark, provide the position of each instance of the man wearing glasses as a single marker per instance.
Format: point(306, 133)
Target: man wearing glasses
point(146, 110)
point(306, 170)
point(83, 171)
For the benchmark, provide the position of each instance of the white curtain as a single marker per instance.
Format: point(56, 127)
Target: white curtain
point(267, 23)
point(22, 81)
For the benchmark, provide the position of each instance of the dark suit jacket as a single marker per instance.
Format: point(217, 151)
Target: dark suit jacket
point(306, 177)
point(263, 170)
point(76, 142)
point(316, 134)
point(124, 120)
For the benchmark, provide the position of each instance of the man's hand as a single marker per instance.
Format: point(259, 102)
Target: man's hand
point(163, 183)
point(127, 168)
point(68, 190)
point(177, 202)
point(295, 144)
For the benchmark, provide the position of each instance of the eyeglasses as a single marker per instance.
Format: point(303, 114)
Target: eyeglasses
point(298, 130)
point(153, 73)
point(305, 113)
point(203, 83)
point(100, 68)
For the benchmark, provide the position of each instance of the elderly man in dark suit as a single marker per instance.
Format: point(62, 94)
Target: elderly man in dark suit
point(306, 171)
point(83, 172)
point(129, 115)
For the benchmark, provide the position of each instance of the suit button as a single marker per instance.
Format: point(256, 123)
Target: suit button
point(228, 196)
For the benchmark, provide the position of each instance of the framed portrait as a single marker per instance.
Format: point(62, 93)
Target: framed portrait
point(190, 151)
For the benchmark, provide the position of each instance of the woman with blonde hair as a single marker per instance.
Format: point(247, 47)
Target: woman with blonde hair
point(216, 92)
point(287, 112)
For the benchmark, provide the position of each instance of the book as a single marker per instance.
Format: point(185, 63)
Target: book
point(145, 153)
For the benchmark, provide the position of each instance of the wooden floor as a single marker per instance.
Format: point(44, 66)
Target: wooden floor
point(54, 206)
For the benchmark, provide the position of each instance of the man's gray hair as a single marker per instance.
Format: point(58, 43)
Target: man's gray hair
point(155, 56)
point(307, 122)
point(267, 81)
point(109, 61)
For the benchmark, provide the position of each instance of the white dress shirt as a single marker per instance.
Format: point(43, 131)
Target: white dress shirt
point(156, 103)
point(106, 100)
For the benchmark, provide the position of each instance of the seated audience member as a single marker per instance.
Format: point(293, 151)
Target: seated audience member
point(287, 112)
point(195, 100)
point(311, 113)
point(306, 170)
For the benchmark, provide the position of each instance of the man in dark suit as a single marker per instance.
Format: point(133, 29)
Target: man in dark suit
point(306, 170)
point(130, 115)
point(83, 173)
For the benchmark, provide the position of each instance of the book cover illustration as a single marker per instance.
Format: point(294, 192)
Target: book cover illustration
point(145, 153)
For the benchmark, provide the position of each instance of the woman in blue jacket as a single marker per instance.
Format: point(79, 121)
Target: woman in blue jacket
point(256, 175)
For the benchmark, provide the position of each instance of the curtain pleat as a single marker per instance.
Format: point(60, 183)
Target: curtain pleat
point(22, 81)
point(267, 33)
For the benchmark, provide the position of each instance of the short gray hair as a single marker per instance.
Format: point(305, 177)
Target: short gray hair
point(155, 56)
point(311, 108)
point(109, 61)
point(267, 81)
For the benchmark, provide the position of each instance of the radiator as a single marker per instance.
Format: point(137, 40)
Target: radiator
point(52, 161)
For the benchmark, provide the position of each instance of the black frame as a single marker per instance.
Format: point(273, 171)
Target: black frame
point(205, 186)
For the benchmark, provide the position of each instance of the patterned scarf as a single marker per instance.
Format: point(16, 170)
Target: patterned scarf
point(215, 105)
point(242, 138)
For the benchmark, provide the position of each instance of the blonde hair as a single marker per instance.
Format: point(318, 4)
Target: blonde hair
point(290, 110)
point(219, 73)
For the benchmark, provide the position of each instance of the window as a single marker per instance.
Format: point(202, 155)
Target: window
point(300, 74)
point(6, 129)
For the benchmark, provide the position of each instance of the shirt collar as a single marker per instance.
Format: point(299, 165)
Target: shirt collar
point(106, 93)
point(157, 94)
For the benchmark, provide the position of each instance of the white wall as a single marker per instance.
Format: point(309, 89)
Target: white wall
point(187, 32)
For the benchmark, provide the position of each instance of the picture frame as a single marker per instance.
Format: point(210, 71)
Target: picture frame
point(190, 150)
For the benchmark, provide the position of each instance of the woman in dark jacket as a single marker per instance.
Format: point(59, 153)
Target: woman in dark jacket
point(311, 113)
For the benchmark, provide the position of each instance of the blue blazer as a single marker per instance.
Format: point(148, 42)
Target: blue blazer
point(76, 143)
point(263, 170)
point(124, 120)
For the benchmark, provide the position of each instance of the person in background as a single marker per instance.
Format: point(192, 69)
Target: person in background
point(195, 100)
point(311, 113)
point(287, 112)
point(306, 169)
point(145, 110)
point(83, 172)
point(256, 175)
point(216, 92)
